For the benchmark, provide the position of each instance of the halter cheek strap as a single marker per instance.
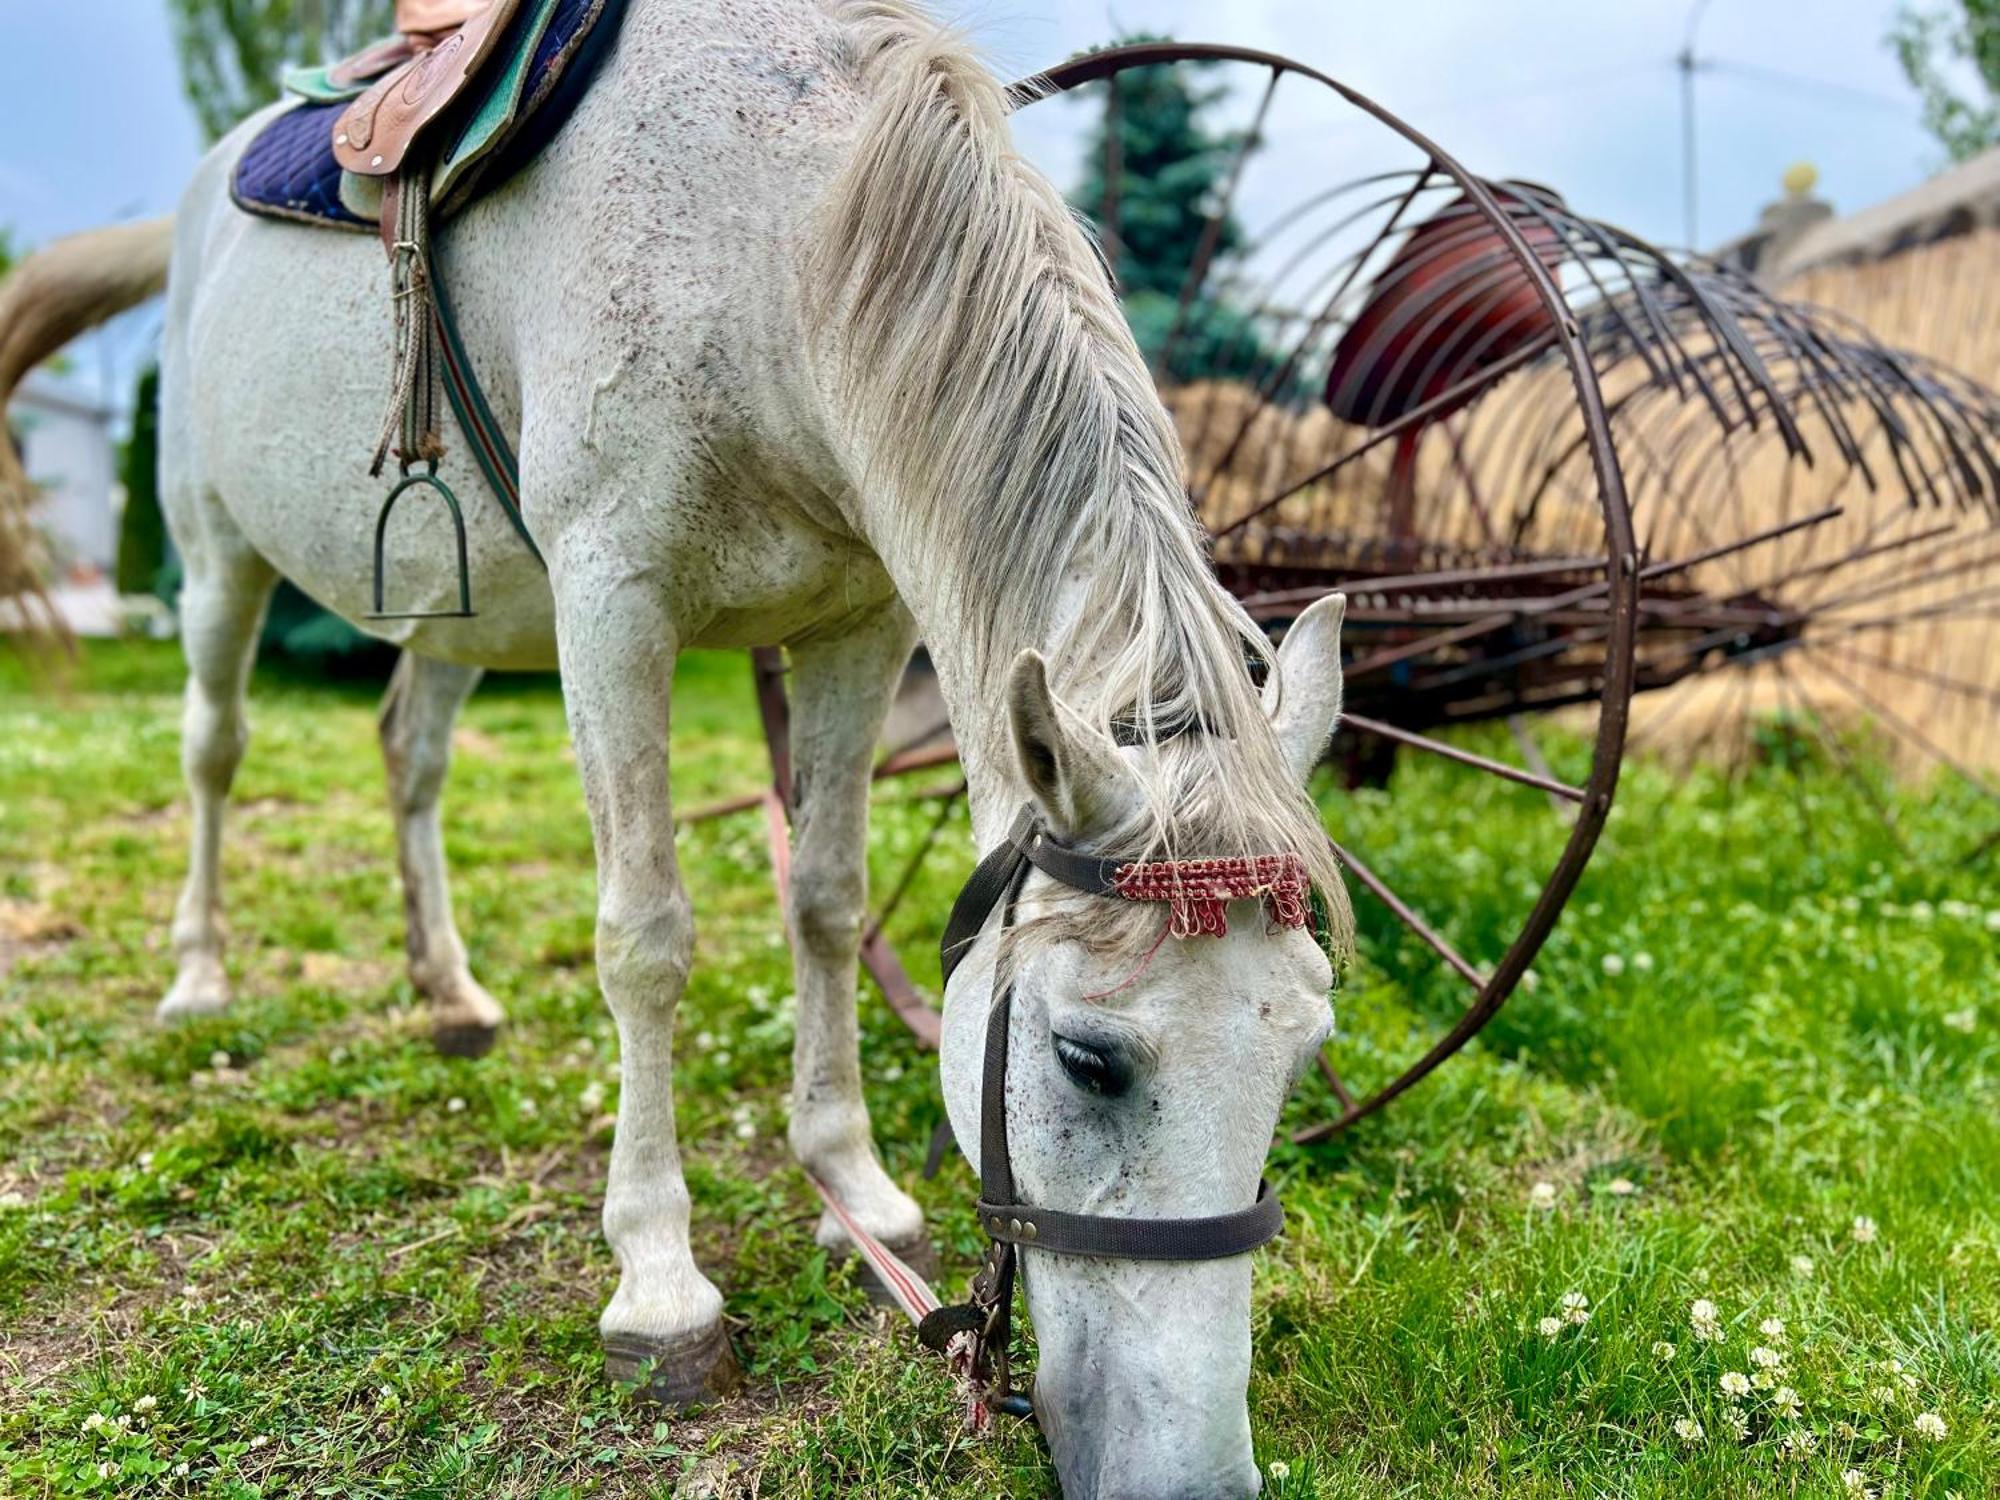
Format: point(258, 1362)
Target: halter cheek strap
point(1198, 892)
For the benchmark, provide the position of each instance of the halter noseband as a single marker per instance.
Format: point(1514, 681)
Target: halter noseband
point(976, 1333)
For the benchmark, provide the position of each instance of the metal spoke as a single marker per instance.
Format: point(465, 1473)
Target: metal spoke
point(1409, 917)
point(1464, 757)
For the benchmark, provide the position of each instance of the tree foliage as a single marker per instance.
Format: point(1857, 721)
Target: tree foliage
point(1936, 46)
point(1171, 170)
point(233, 52)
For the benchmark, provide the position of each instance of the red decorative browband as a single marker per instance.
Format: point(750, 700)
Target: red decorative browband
point(1200, 890)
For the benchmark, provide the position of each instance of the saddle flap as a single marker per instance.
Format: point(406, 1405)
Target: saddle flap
point(375, 133)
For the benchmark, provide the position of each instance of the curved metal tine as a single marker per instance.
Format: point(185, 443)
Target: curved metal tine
point(1908, 581)
point(1865, 549)
point(1831, 739)
point(1804, 355)
point(1351, 272)
point(1915, 735)
point(1464, 757)
point(1794, 776)
point(1954, 606)
point(1982, 692)
point(1211, 231)
point(1730, 332)
point(1409, 917)
point(1572, 227)
point(1415, 417)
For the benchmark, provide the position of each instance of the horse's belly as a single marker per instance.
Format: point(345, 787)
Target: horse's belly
point(286, 381)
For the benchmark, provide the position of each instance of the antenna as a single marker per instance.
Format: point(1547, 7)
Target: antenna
point(1688, 63)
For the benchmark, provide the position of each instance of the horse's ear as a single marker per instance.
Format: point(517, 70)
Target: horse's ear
point(1302, 699)
point(1072, 770)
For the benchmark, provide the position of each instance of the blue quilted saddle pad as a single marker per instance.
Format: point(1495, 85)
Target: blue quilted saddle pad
point(288, 170)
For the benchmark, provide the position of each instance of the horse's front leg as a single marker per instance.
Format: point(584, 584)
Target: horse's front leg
point(842, 688)
point(617, 643)
point(418, 711)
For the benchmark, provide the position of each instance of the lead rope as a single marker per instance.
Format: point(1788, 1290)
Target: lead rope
point(914, 1296)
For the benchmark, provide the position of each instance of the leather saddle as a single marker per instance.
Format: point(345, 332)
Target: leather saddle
point(423, 70)
point(469, 91)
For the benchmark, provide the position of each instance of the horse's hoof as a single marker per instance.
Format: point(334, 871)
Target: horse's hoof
point(919, 1254)
point(464, 1038)
point(697, 1369)
point(193, 996)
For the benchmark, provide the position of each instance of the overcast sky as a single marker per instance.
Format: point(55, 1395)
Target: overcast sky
point(1578, 94)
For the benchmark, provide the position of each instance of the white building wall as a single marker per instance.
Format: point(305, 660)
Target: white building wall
point(67, 451)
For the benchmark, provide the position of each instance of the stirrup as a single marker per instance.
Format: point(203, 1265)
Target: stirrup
point(408, 482)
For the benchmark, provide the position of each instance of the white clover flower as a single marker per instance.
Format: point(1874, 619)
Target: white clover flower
point(1884, 1395)
point(1855, 1484)
point(1736, 1420)
point(94, 1421)
point(1770, 1359)
point(1765, 1379)
point(1929, 1425)
point(1701, 1310)
point(181, 1468)
point(1613, 965)
point(1993, 921)
point(146, 1157)
point(1621, 1187)
point(1705, 1321)
point(1663, 1351)
point(1575, 1307)
point(592, 1097)
point(1802, 1265)
point(1735, 1383)
point(259, 1440)
point(1550, 1327)
point(1965, 1021)
point(1542, 1195)
point(1279, 1471)
point(1863, 1230)
point(1786, 1400)
point(1688, 1430)
point(124, 1422)
point(1643, 962)
point(454, 1105)
point(746, 1130)
point(106, 1470)
point(1773, 1329)
point(1922, 911)
point(528, 1108)
point(145, 1403)
point(218, 1059)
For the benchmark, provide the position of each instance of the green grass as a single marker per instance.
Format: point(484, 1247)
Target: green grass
point(343, 1265)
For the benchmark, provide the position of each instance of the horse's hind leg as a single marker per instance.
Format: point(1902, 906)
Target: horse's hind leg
point(222, 610)
point(842, 688)
point(418, 711)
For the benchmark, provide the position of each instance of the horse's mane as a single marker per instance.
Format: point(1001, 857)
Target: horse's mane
point(1002, 398)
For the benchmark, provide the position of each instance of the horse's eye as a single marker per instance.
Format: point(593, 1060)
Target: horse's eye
point(1092, 1068)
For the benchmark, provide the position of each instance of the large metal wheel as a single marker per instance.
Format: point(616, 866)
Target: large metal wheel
point(1321, 337)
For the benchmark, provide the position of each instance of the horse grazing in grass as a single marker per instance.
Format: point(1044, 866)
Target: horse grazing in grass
point(795, 349)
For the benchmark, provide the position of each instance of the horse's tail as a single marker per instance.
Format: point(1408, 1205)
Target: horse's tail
point(63, 290)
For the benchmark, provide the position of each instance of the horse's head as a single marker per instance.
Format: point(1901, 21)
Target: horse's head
point(1141, 1086)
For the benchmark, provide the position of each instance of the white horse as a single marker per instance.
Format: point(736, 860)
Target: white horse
point(797, 350)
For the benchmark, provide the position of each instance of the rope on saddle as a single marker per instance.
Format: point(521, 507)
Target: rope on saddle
point(412, 413)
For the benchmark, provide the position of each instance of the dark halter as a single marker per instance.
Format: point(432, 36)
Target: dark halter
point(986, 1315)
